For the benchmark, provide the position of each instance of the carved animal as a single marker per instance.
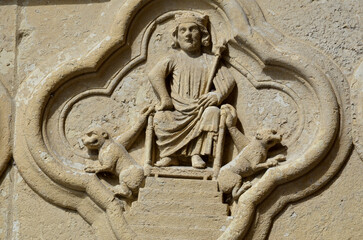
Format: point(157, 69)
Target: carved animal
point(249, 161)
point(113, 158)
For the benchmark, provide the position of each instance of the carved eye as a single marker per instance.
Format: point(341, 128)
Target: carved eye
point(194, 29)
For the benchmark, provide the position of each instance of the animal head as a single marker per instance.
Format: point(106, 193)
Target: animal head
point(268, 137)
point(94, 138)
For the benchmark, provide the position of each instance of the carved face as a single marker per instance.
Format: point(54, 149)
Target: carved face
point(95, 138)
point(189, 37)
point(269, 137)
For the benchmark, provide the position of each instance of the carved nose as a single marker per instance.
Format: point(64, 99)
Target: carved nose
point(274, 131)
point(188, 33)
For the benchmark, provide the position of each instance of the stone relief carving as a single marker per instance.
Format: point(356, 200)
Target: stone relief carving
point(252, 159)
point(356, 97)
point(191, 124)
point(5, 126)
point(282, 102)
point(112, 156)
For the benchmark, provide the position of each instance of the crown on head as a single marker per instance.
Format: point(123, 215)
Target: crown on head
point(192, 18)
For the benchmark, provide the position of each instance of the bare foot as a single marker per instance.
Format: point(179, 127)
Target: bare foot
point(197, 162)
point(165, 104)
point(166, 162)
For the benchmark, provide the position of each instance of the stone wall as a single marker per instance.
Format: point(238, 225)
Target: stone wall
point(37, 36)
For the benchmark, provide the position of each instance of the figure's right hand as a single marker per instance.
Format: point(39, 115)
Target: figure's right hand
point(165, 104)
point(231, 115)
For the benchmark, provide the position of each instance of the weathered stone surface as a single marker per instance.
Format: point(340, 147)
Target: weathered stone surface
point(332, 213)
point(7, 80)
point(34, 218)
point(85, 82)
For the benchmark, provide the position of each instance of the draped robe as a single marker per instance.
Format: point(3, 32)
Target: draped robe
point(189, 129)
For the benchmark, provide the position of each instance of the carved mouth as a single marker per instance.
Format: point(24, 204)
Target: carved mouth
point(90, 143)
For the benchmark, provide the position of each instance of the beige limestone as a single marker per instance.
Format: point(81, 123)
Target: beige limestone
point(332, 213)
point(66, 50)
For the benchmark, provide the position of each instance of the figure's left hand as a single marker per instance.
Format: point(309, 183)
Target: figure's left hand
point(145, 112)
point(209, 99)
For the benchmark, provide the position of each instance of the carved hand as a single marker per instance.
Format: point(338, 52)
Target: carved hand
point(145, 112)
point(209, 99)
point(231, 115)
point(165, 104)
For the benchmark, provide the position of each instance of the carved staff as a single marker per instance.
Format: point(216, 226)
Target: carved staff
point(218, 160)
point(218, 55)
point(149, 145)
point(220, 142)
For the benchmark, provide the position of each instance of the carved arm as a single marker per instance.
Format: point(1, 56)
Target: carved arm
point(238, 138)
point(128, 138)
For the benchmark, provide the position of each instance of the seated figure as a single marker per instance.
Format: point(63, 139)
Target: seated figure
point(187, 119)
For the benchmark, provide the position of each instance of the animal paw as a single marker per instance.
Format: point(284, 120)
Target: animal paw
point(122, 191)
point(247, 185)
point(91, 169)
point(231, 115)
point(272, 162)
point(280, 158)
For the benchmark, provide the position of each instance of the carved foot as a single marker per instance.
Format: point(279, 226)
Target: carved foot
point(197, 162)
point(166, 162)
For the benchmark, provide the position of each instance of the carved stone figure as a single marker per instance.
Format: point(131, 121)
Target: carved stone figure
point(113, 157)
point(281, 83)
point(252, 159)
point(186, 123)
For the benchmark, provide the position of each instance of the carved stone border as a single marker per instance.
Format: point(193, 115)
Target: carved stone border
point(84, 193)
point(5, 128)
point(357, 109)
